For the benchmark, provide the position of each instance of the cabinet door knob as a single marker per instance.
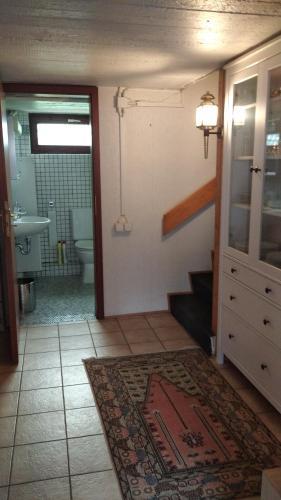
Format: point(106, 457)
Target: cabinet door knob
point(263, 366)
point(230, 336)
point(255, 169)
point(231, 297)
point(266, 322)
point(267, 290)
point(233, 270)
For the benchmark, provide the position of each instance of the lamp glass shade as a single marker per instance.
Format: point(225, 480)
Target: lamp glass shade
point(207, 115)
point(239, 115)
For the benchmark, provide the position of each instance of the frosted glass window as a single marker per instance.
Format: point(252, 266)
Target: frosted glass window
point(60, 133)
point(63, 134)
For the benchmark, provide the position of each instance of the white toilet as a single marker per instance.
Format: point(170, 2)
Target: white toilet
point(82, 231)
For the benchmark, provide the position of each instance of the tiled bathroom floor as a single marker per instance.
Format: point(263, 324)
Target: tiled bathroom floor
point(61, 299)
point(51, 439)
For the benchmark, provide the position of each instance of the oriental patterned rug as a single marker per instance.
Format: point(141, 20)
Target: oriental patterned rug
point(177, 430)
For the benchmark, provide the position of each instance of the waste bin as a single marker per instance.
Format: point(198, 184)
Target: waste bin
point(27, 296)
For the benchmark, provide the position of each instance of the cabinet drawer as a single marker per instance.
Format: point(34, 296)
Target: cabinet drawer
point(253, 354)
point(259, 313)
point(260, 284)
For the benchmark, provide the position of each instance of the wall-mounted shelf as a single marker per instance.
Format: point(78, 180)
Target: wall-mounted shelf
point(244, 206)
point(243, 158)
point(275, 212)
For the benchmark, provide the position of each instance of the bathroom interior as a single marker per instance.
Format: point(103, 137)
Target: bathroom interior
point(51, 191)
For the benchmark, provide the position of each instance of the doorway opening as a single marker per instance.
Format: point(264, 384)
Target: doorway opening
point(53, 180)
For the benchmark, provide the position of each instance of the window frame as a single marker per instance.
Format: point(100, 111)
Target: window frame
point(35, 118)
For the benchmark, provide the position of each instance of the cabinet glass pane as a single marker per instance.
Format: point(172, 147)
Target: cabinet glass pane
point(270, 244)
point(243, 130)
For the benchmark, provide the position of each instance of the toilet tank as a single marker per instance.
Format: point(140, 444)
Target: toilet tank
point(82, 223)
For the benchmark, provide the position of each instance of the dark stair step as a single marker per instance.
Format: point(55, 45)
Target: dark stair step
point(202, 285)
point(195, 316)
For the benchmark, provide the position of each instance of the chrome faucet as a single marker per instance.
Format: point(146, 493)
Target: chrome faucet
point(18, 211)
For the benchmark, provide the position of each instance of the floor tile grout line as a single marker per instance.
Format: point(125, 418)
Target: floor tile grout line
point(47, 411)
point(66, 438)
point(15, 429)
point(69, 476)
point(39, 480)
point(65, 424)
point(159, 339)
point(81, 364)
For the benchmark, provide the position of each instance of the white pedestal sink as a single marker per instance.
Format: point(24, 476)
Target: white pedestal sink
point(29, 224)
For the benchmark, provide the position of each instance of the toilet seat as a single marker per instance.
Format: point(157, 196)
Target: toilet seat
point(84, 244)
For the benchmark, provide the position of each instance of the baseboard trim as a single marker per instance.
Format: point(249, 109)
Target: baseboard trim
point(143, 313)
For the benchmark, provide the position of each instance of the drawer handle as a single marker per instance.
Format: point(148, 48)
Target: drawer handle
point(267, 290)
point(230, 336)
point(255, 169)
point(263, 366)
point(233, 270)
point(232, 297)
point(266, 322)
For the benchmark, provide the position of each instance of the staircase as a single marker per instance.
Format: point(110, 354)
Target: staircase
point(194, 310)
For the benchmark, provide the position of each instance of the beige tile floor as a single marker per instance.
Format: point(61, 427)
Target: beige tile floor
point(51, 439)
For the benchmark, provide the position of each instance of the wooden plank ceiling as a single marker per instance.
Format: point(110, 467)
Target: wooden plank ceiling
point(143, 43)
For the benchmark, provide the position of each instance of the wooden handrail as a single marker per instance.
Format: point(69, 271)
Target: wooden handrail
point(189, 206)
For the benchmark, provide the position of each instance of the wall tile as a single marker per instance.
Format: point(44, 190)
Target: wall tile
point(65, 179)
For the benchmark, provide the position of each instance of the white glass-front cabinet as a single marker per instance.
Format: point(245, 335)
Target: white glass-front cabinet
point(250, 276)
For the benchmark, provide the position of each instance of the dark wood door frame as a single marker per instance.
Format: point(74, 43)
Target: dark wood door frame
point(7, 245)
point(92, 92)
point(219, 165)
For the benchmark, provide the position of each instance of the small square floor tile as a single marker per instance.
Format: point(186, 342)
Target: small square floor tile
point(40, 427)
point(76, 356)
point(4, 493)
point(42, 332)
point(41, 345)
point(5, 461)
point(78, 396)
point(40, 400)
point(51, 489)
point(104, 484)
point(104, 325)
point(40, 379)
point(42, 360)
point(146, 347)
point(33, 462)
point(77, 342)
point(171, 333)
point(8, 404)
point(140, 336)
point(83, 422)
point(108, 338)
point(74, 375)
point(113, 350)
point(69, 329)
point(7, 431)
point(88, 454)
point(133, 323)
point(10, 381)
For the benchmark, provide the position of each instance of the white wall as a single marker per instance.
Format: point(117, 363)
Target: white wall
point(164, 163)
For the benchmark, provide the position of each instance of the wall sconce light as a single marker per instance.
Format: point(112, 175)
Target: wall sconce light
point(206, 119)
